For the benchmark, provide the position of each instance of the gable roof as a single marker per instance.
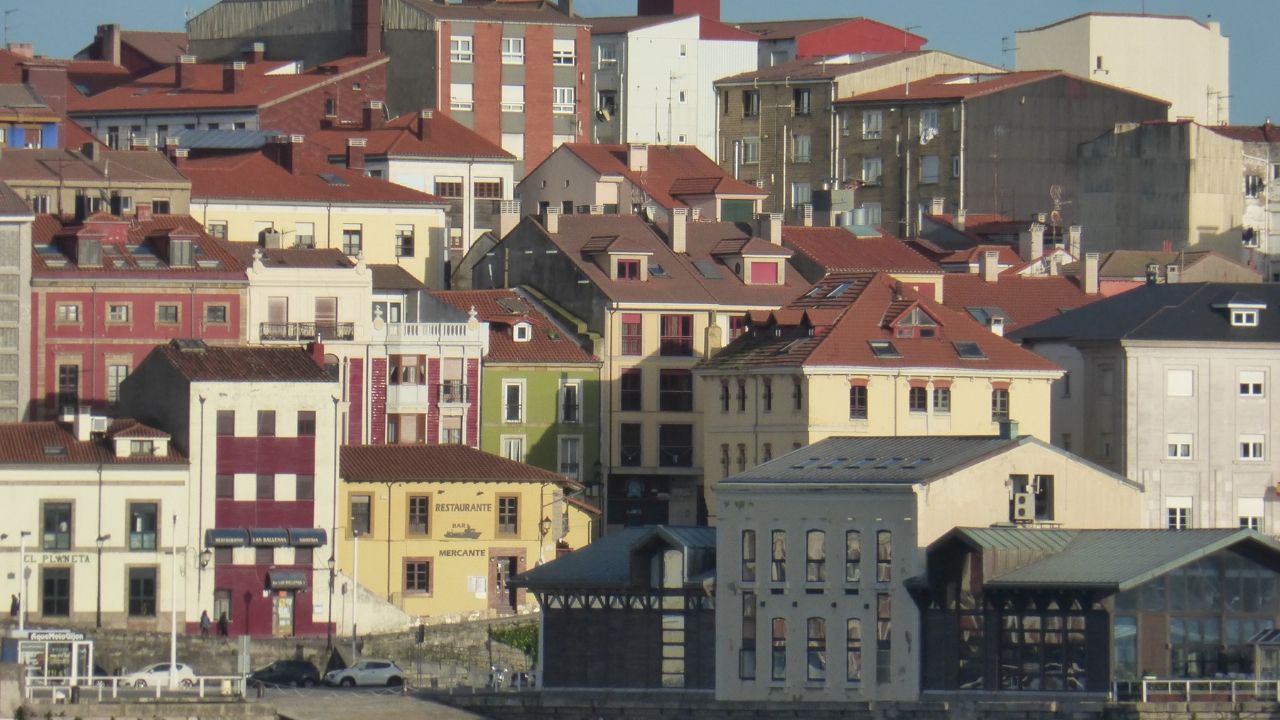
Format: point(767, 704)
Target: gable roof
point(790, 29)
point(1183, 312)
point(816, 69)
point(220, 363)
point(606, 562)
point(120, 167)
point(393, 277)
point(837, 250)
point(1022, 300)
point(1132, 264)
point(957, 86)
point(25, 443)
point(675, 171)
point(1122, 15)
point(438, 463)
point(12, 204)
point(398, 137)
point(834, 323)
point(502, 309)
point(134, 254)
point(1264, 133)
point(308, 258)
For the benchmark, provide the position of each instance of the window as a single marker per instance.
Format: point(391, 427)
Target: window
point(999, 405)
point(872, 124)
point(513, 447)
point(816, 650)
point(142, 592)
point(39, 203)
point(167, 314)
point(304, 487)
point(68, 313)
point(628, 269)
point(223, 556)
point(1253, 185)
point(264, 556)
point(508, 515)
point(928, 169)
point(942, 399)
point(747, 653)
point(872, 168)
point(1251, 447)
point(858, 402)
point(766, 395)
point(608, 53)
point(800, 103)
point(68, 386)
point(1180, 383)
point(853, 557)
point(563, 100)
point(512, 402)
point(630, 384)
point(918, 400)
point(417, 576)
point(748, 556)
point(675, 390)
point(404, 241)
point(571, 456)
point(460, 49)
point(797, 394)
point(884, 556)
point(766, 452)
point(266, 423)
point(801, 193)
point(884, 629)
point(352, 239)
point(928, 121)
point(570, 394)
point(630, 446)
point(1244, 318)
point(724, 396)
point(451, 430)
point(801, 148)
point(562, 51)
point(1250, 512)
point(750, 150)
point(419, 520)
point(115, 375)
point(742, 457)
point(215, 314)
point(632, 334)
point(779, 649)
point(361, 514)
point(815, 557)
point(778, 556)
point(115, 313)
point(487, 188)
point(266, 487)
point(306, 423)
point(853, 650)
point(226, 423)
point(225, 486)
point(750, 103)
point(1177, 513)
point(1179, 446)
point(512, 51)
point(742, 395)
point(955, 166)
point(677, 335)
point(1252, 383)
point(142, 525)
point(449, 187)
point(55, 591)
point(675, 445)
point(57, 526)
point(726, 464)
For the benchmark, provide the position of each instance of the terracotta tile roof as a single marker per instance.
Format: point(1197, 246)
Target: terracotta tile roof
point(216, 363)
point(583, 505)
point(12, 204)
point(790, 29)
point(502, 309)
point(1022, 300)
point(833, 324)
point(253, 176)
point(445, 138)
point(671, 168)
point(54, 165)
point(90, 77)
point(131, 250)
point(33, 443)
point(308, 258)
point(748, 246)
point(438, 463)
point(814, 69)
point(837, 250)
point(683, 281)
point(1264, 133)
point(708, 29)
point(158, 91)
point(964, 86)
point(534, 12)
point(393, 277)
point(160, 48)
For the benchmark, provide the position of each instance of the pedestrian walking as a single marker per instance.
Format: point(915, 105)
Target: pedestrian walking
point(14, 606)
point(204, 623)
point(222, 624)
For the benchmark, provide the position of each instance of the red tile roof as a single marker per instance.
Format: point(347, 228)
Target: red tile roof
point(116, 166)
point(438, 463)
point(308, 258)
point(25, 444)
point(1264, 133)
point(445, 138)
point(161, 48)
point(708, 29)
point(135, 253)
point(158, 91)
point(502, 309)
point(533, 12)
point(1023, 300)
point(837, 250)
point(788, 29)
point(833, 323)
point(216, 363)
point(674, 170)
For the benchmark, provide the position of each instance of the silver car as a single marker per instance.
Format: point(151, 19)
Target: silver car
point(367, 672)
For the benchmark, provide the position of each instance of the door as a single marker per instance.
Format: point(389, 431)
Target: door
point(504, 596)
point(326, 318)
point(277, 318)
point(283, 614)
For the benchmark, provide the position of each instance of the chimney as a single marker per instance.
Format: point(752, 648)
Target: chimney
point(1091, 274)
point(769, 227)
point(27, 51)
point(508, 217)
point(366, 24)
point(255, 52)
point(355, 153)
point(990, 266)
point(638, 157)
point(1074, 234)
point(1172, 274)
point(676, 228)
point(996, 325)
point(177, 155)
point(108, 43)
point(1008, 429)
point(287, 151)
point(422, 126)
point(960, 219)
point(83, 423)
point(1153, 273)
point(1031, 242)
point(938, 205)
point(139, 143)
point(185, 72)
point(233, 77)
point(317, 352)
point(806, 214)
point(372, 117)
point(551, 219)
point(142, 211)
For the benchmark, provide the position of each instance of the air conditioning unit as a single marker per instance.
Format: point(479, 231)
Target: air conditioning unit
point(1024, 507)
point(99, 424)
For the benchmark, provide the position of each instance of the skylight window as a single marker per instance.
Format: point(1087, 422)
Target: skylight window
point(807, 463)
point(838, 290)
point(859, 464)
point(656, 270)
point(788, 347)
point(969, 351)
point(884, 349)
point(333, 179)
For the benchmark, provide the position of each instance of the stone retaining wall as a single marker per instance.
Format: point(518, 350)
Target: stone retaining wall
point(153, 711)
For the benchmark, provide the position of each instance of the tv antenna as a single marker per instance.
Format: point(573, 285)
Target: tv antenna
point(1055, 217)
point(7, 13)
point(1007, 47)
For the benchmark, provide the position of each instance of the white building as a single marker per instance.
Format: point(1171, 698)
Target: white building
point(653, 77)
point(1179, 59)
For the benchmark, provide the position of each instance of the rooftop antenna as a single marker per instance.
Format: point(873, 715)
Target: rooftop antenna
point(7, 13)
point(905, 32)
point(1006, 47)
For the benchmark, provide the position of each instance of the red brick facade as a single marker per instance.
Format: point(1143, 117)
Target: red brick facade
point(303, 113)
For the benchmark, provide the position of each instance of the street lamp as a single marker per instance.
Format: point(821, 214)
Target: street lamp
point(355, 585)
point(22, 581)
point(173, 606)
point(102, 539)
point(328, 632)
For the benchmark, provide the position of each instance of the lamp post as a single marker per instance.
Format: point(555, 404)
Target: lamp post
point(173, 606)
point(102, 539)
point(355, 586)
point(22, 581)
point(328, 631)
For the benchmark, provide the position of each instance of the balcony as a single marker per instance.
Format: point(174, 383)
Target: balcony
point(433, 332)
point(407, 398)
point(297, 332)
point(676, 346)
point(452, 392)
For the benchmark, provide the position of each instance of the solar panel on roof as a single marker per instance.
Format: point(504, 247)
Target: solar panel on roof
point(707, 269)
point(333, 179)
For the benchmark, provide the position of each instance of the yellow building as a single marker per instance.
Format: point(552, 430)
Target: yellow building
point(283, 199)
point(863, 354)
point(439, 529)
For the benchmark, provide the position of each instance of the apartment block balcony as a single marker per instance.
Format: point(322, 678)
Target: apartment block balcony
point(299, 331)
point(435, 332)
point(408, 398)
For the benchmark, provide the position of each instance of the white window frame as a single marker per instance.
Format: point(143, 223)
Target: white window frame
point(1251, 512)
point(522, 332)
point(512, 51)
point(512, 98)
point(874, 212)
point(1244, 317)
point(561, 444)
point(1252, 447)
point(512, 442)
point(563, 100)
point(801, 193)
point(872, 169)
point(521, 406)
point(872, 124)
point(751, 158)
point(801, 148)
point(461, 97)
point(1179, 446)
point(564, 51)
point(112, 317)
point(1177, 511)
point(461, 49)
point(929, 120)
point(1252, 383)
point(577, 385)
point(607, 53)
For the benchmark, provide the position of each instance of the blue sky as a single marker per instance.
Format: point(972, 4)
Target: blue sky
point(967, 27)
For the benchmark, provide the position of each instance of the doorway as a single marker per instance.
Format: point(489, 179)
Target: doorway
point(504, 563)
point(282, 606)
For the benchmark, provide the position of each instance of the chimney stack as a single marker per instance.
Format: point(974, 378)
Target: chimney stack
point(806, 214)
point(676, 229)
point(769, 227)
point(255, 52)
point(960, 219)
point(355, 153)
point(179, 157)
point(990, 266)
point(638, 157)
point(372, 117)
point(423, 125)
point(508, 217)
point(109, 43)
point(366, 24)
point(233, 77)
point(185, 71)
point(551, 219)
point(288, 151)
point(1091, 274)
point(142, 211)
point(83, 424)
point(1031, 242)
point(1074, 234)
point(996, 325)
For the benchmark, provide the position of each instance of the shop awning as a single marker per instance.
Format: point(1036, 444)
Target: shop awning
point(286, 580)
point(268, 537)
point(306, 537)
point(226, 537)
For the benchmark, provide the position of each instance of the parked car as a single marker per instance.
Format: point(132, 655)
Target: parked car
point(158, 674)
point(367, 672)
point(297, 673)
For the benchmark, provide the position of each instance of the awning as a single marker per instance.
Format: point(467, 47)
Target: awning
point(226, 537)
point(306, 537)
point(268, 537)
point(286, 580)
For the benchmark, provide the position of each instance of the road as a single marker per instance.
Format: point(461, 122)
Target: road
point(344, 704)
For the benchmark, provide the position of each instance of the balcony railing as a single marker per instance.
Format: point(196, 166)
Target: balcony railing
point(677, 346)
point(675, 455)
point(294, 332)
point(430, 332)
point(629, 456)
point(452, 392)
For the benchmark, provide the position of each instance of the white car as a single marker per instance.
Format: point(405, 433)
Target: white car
point(158, 674)
point(367, 672)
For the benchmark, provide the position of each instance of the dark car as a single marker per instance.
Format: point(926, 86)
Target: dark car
point(295, 673)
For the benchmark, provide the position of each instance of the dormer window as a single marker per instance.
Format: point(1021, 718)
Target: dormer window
point(1244, 318)
point(628, 269)
point(1243, 311)
point(763, 272)
point(522, 332)
point(915, 323)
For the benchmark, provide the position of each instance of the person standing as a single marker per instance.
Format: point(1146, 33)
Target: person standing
point(204, 623)
point(14, 606)
point(222, 624)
